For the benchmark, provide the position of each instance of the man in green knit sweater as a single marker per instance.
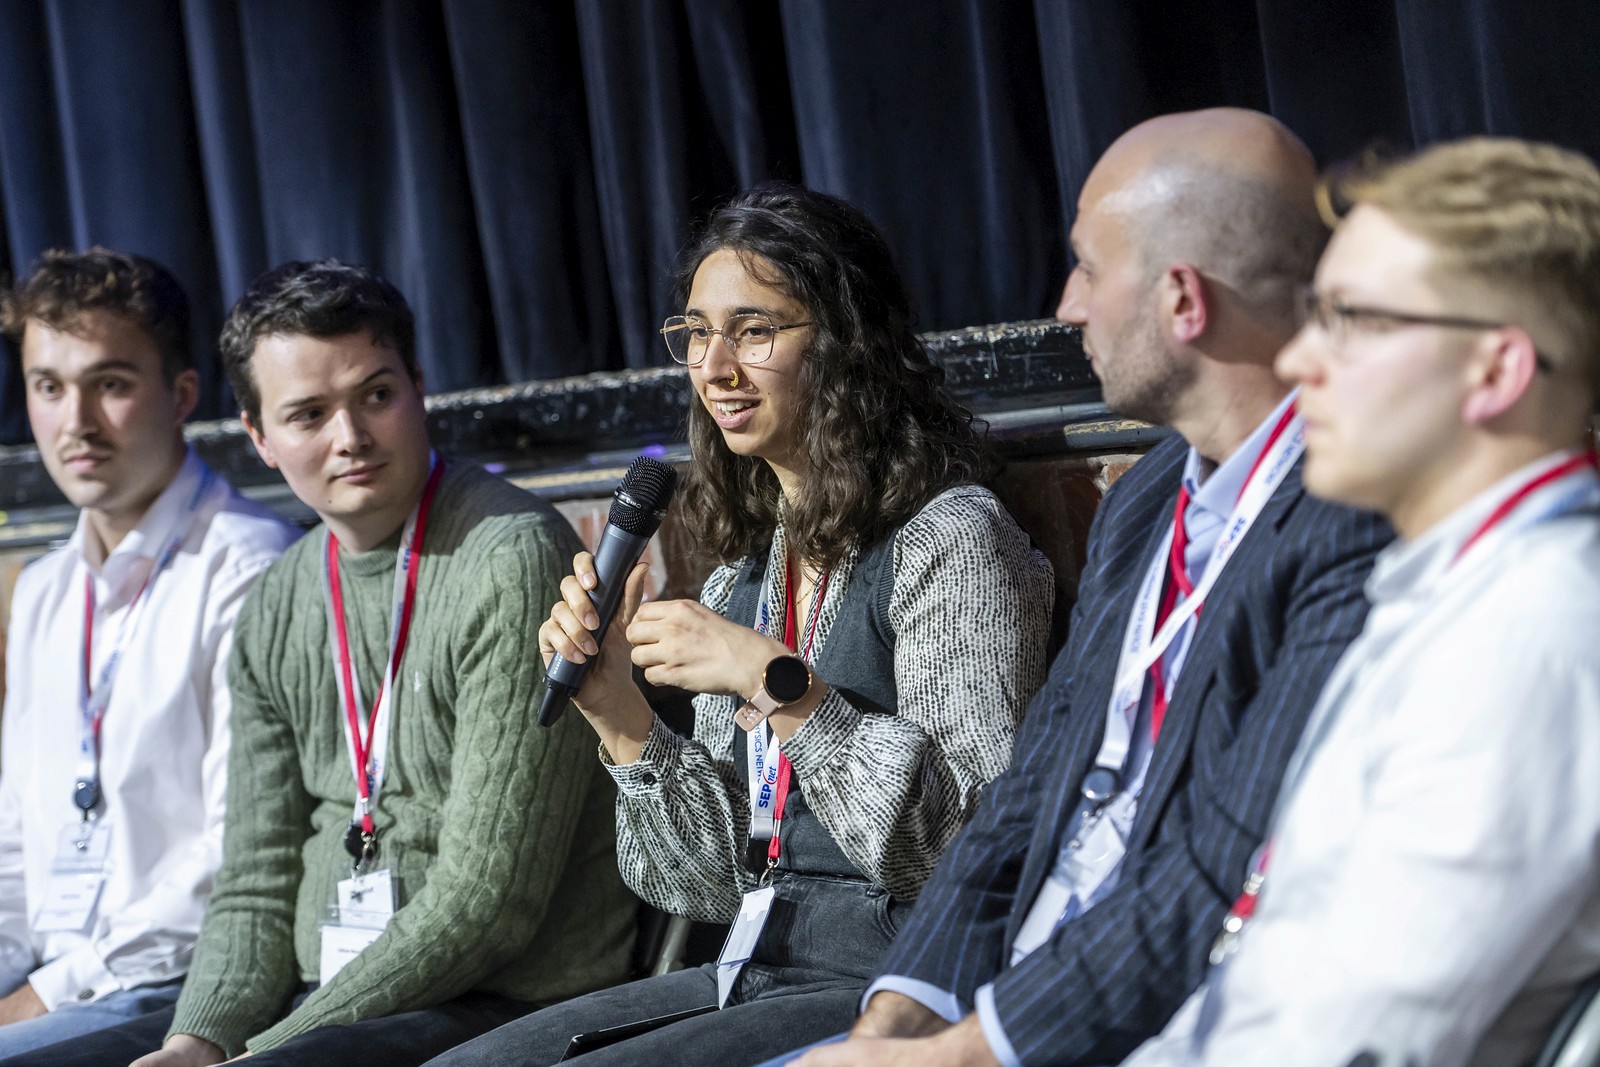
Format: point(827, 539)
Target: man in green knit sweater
point(491, 841)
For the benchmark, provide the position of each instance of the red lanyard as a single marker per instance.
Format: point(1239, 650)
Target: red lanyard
point(363, 747)
point(1178, 585)
point(1509, 504)
point(791, 628)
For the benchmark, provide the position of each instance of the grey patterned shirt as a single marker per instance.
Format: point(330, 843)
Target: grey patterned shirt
point(971, 613)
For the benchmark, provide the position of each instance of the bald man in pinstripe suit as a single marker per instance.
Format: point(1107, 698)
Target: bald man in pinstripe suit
point(1076, 912)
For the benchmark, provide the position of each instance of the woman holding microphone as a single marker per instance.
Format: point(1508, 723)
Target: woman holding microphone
point(861, 657)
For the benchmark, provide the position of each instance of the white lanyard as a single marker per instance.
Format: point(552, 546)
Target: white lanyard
point(763, 760)
point(1141, 648)
point(97, 698)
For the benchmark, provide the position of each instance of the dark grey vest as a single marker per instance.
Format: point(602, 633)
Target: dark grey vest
point(858, 661)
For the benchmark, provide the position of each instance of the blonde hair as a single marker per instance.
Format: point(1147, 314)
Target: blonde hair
point(1515, 222)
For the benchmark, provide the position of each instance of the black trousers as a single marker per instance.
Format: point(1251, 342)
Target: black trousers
point(404, 1040)
point(818, 950)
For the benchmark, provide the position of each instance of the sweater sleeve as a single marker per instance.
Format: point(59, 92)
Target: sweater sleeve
point(244, 966)
point(517, 792)
point(679, 831)
point(971, 612)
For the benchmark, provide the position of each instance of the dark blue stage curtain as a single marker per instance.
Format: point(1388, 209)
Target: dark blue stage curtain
point(527, 170)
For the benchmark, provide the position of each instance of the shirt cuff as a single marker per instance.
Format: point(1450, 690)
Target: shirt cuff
point(16, 961)
point(644, 778)
point(941, 1002)
point(993, 1032)
point(817, 741)
point(78, 977)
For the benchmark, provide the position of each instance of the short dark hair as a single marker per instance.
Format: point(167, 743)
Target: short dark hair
point(322, 298)
point(881, 434)
point(64, 286)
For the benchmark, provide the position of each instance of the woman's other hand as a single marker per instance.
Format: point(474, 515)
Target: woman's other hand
point(686, 644)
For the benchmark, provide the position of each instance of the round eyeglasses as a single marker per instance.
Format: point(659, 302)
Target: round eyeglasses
point(748, 337)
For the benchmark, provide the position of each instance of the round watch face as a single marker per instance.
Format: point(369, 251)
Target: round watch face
point(787, 679)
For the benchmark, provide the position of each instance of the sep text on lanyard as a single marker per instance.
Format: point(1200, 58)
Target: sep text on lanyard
point(1152, 630)
point(368, 748)
point(1586, 492)
point(86, 794)
point(769, 769)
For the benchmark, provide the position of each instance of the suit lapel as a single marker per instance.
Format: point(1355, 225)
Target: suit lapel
point(1136, 536)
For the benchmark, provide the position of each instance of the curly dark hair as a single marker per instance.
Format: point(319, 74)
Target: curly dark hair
point(65, 286)
point(322, 298)
point(880, 434)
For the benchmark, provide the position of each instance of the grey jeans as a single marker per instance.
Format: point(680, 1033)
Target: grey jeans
point(816, 953)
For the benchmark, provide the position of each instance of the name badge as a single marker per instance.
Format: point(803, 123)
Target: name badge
point(363, 906)
point(367, 900)
point(340, 945)
point(77, 875)
point(742, 938)
point(82, 846)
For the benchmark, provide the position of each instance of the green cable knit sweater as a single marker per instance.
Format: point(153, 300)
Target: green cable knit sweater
point(501, 834)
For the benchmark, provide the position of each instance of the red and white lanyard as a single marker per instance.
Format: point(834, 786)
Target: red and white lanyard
point(1512, 513)
point(769, 769)
point(367, 746)
point(97, 697)
point(1162, 609)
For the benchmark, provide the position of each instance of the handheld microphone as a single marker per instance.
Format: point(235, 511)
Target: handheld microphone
point(637, 508)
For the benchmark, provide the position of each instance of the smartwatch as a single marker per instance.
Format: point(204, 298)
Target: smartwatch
point(785, 680)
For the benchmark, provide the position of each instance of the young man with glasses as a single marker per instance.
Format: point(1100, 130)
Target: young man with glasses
point(117, 708)
point(1430, 891)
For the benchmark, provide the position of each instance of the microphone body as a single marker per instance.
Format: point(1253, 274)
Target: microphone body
point(636, 513)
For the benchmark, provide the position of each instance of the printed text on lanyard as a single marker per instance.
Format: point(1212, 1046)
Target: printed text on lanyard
point(770, 770)
point(1145, 642)
point(96, 698)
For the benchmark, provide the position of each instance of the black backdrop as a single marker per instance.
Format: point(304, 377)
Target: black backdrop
point(526, 170)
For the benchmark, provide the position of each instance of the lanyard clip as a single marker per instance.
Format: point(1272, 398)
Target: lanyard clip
point(362, 847)
point(86, 795)
point(363, 861)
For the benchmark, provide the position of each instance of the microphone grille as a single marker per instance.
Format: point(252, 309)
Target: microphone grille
point(641, 499)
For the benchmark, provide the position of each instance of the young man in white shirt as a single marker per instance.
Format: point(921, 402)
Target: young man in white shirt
point(1430, 893)
point(114, 753)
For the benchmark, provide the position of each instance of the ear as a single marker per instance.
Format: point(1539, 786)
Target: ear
point(1503, 366)
point(259, 439)
point(1183, 299)
point(185, 394)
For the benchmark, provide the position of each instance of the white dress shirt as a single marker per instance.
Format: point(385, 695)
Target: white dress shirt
point(164, 738)
point(1433, 894)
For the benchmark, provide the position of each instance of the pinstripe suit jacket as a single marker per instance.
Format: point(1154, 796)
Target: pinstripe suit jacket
point(1272, 628)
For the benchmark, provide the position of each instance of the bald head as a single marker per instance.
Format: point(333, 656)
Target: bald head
point(1228, 191)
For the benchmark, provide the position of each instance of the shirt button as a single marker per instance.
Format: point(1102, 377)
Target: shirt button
point(85, 994)
point(647, 778)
